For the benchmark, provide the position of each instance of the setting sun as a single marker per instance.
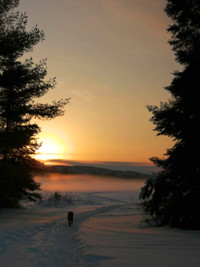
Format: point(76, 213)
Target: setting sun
point(53, 147)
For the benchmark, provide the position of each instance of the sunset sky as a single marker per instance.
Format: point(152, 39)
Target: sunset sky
point(112, 58)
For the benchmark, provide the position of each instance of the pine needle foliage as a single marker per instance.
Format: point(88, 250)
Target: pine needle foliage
point(22, 82)
point(172, 197)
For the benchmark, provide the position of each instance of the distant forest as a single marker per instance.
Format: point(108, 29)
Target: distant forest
point(96, 171)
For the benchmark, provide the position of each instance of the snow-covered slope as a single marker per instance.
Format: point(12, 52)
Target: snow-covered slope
point(108, 230)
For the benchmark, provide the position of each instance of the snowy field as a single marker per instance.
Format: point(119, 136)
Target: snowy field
point(108, 230)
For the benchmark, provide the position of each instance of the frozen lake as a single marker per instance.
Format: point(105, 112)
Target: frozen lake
point(87, 183)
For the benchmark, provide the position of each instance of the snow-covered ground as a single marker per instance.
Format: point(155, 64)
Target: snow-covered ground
point(108, 230)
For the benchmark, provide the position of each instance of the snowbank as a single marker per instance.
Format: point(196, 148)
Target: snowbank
point(108, 231)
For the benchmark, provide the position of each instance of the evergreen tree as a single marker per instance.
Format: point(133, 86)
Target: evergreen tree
point(172, 197)
point(21, 83)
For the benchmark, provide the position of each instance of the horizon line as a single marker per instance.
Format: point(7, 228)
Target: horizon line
point(140, 163)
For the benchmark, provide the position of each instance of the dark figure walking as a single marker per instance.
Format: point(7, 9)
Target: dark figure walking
point(70, 218)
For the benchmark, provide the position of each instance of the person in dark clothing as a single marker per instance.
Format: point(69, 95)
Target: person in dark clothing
point(70, 218)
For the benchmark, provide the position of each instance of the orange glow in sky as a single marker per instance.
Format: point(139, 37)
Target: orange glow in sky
point(112, 58)
point(53, 147)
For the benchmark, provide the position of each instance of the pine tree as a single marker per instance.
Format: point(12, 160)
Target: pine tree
point(172, 197)
point(21, 83)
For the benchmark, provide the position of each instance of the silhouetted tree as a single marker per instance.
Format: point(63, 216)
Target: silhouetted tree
point(172, 197)
point(21, 83)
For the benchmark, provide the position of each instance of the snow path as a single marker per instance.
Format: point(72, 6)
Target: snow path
point(38, 245)
point(48, 243)
point(108, 230)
